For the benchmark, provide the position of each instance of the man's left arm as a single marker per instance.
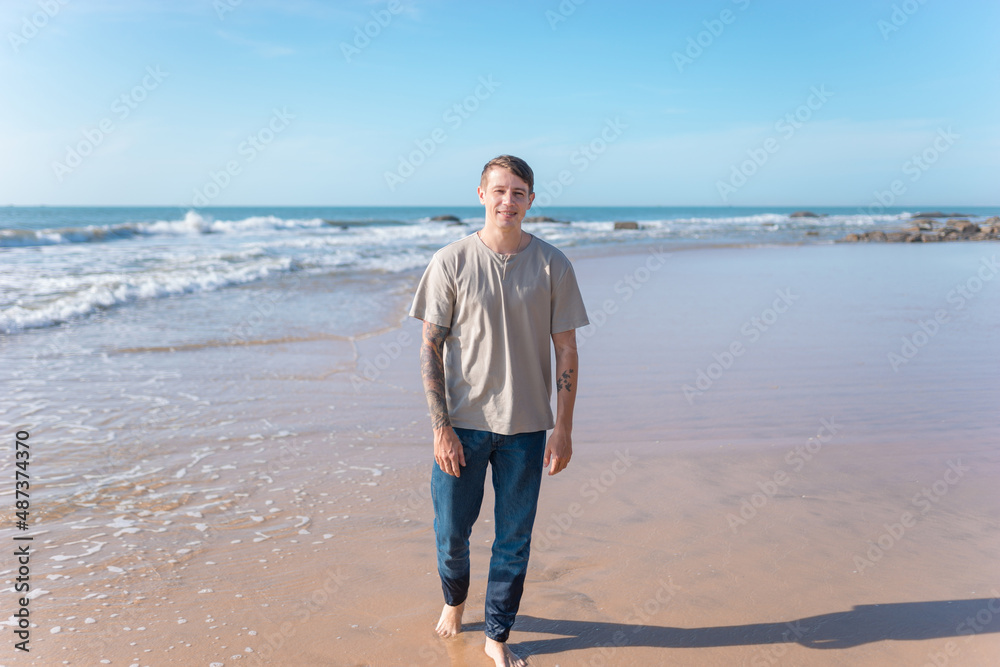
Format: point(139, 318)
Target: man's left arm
point(559, 449)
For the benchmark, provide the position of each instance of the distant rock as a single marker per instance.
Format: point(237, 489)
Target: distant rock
point(964, 226)
point(446, 218)
point(876, 236)
point(923, 225)
point(922, 232)
point(939, 214)
point(804, 214)
point(544, 218)
point(626, 225)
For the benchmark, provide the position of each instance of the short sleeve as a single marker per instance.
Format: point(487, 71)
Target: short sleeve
point(568, 311)
point(434, 301)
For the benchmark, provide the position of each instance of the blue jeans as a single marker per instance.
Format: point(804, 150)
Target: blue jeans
point(517, 475)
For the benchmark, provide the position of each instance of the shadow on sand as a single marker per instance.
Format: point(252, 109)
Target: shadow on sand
point(862, 625)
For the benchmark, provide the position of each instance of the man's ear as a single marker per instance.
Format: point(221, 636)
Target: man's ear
point(531, 199)
point(482, 195)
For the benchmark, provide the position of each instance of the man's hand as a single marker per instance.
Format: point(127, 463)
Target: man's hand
point(558, 450)
point(448, 451)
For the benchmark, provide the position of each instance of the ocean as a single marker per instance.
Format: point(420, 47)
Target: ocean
point(60, 266)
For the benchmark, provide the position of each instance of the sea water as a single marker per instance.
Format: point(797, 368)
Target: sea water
point(61, 265)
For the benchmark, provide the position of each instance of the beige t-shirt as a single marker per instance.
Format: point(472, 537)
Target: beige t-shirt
point(502, 312)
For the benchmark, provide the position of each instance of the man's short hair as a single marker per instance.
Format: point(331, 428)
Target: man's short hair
point(515, 165)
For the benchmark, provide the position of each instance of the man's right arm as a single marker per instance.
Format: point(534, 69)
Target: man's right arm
point(448, 451)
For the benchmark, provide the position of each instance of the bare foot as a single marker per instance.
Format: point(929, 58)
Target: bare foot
point(502, 655)
point(450, 623)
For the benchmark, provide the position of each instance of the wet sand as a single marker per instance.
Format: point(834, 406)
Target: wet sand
point(801, 502)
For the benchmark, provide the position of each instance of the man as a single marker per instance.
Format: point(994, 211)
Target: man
point(490, 303)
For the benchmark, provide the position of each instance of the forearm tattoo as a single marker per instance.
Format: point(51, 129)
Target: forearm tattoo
point(565, 381)
point(432, 371)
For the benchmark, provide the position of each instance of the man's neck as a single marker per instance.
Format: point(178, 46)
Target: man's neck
point(503, 241)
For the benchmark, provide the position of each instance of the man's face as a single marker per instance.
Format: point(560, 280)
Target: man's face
point(505, 197)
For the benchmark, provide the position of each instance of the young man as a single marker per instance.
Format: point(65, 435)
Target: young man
point(490, 303)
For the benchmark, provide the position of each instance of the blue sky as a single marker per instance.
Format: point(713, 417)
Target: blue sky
point(280, 102)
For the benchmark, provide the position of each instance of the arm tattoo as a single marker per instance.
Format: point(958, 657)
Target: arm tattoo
point(564, 381)
point(432, 371)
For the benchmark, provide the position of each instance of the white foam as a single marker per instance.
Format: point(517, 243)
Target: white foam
point(121, 522)
point(74, 296)
point(93, 550)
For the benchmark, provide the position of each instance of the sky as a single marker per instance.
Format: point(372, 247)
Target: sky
point(401, 102)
